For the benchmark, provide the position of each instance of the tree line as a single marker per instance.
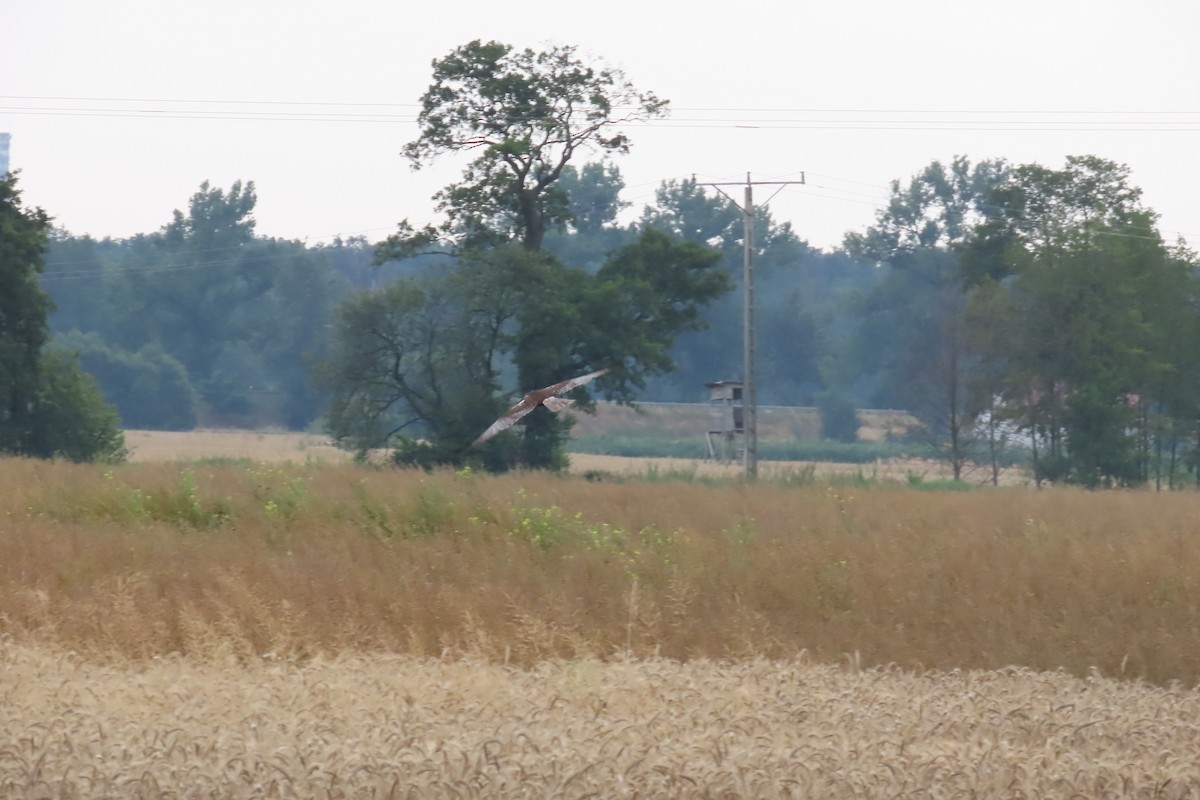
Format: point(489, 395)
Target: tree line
point(1044, 310)
point(1009, 307)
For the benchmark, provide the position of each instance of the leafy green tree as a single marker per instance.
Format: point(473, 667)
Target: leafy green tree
point(839, 417)
point(24, 308)
point(281, 333)
point(947, 390)
point(416, 365)
point(593, 230)
point(245, 315)
point(149, 388)
point(914, 337)
point(1172, 408)
point(413, 364)
point(685, 209)
point(660, 285)
point(186, 284)
point(594, 195)
point(939, 208)
point(73, 420)
point(627, 317)
point(74, 279)
point(48, 406)
point(526, 114)
point(989, 328)
point(1095, 299)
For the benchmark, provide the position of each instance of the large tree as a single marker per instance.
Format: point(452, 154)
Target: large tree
point(48, 406)
point(914, 336)
point(526, 114)
point(24, 308)
point(413, 364)
point(243, 314)
point(1097, 303)
point(417, 364)
point(186, 283)
point(938, 208)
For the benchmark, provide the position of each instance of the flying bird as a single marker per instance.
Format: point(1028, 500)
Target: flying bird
point(538, 397)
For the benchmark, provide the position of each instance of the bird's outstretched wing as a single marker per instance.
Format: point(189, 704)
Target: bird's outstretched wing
point(568, 385)
point(505, 422)
point(531, 401)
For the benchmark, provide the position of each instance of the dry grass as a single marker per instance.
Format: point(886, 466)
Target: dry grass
point(150, 560)
point(231, 444)
point(304, 448)
point(325, 630)
point(898, 471)
point(692, 420)
point(384, 726)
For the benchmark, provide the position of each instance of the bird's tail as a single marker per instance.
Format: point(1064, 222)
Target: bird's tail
point(557, 403)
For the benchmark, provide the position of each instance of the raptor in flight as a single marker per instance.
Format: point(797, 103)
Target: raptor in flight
point(547, 397)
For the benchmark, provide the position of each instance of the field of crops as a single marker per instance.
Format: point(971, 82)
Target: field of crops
point(386, 726)
point(251, 628)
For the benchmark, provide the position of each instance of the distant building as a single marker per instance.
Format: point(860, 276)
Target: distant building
point(5, 138)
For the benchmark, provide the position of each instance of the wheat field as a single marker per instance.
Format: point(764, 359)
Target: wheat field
point(385, 726)
point(302, 628)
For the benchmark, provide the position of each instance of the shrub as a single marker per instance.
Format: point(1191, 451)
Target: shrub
point(71, 419)
point(839, 418)
point(150, 389)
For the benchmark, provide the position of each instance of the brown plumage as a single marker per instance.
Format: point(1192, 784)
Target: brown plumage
point(538, 397)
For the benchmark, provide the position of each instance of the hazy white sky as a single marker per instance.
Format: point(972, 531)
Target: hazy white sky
point(313, 100)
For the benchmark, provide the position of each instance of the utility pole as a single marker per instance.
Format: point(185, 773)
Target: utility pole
point(749, 336)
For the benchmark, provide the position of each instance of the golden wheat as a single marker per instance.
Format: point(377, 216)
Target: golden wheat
point(386, 726)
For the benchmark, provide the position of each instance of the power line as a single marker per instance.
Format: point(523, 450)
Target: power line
point(200, 102)
point(916, 119)
point(736, 109)
point(831, 125)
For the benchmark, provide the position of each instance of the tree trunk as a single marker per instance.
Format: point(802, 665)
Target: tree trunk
point(534, 220)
